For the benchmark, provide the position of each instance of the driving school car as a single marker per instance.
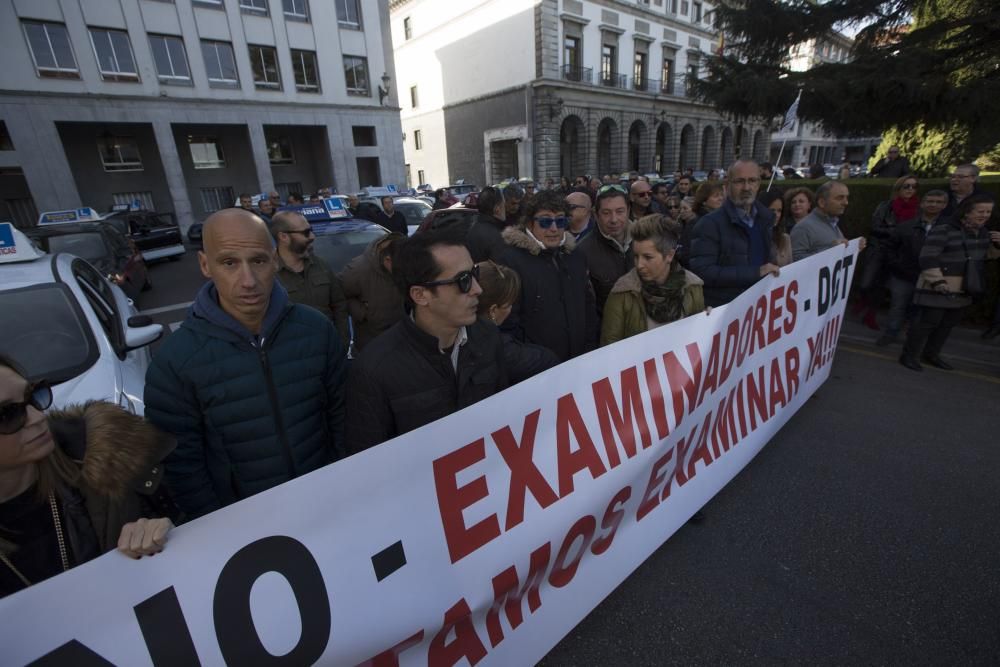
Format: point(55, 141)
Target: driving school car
point(64, 322)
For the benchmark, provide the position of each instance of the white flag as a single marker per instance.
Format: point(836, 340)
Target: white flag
point(792, 115)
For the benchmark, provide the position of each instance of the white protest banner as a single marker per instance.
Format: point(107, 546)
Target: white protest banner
point(480, 538)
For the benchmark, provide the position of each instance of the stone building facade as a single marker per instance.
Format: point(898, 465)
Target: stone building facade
point(578, 86)
point(183, 105)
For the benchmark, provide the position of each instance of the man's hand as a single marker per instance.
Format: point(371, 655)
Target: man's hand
point(942, 288)
point(773, 269)
point(995, 237)
point(144, 537)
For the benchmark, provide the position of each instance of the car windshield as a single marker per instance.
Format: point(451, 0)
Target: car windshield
point(414, 212)
point(46, 333)
point(338, 249)
point(88, 245)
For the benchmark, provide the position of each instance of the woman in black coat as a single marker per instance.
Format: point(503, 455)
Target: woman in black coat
point(557, 307)
point(74, 484)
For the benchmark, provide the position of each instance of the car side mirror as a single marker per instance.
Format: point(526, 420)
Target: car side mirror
point(142, 335)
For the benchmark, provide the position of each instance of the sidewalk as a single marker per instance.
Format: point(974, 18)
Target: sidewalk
point(965, 350)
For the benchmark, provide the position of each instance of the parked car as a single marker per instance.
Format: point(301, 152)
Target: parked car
point(67, 324)
point(156, 235)
point(103, 245)
point(413, 209)
point(337, 243)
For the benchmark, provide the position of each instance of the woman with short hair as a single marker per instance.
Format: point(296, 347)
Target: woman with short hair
point(798, 203)
point(657, 291)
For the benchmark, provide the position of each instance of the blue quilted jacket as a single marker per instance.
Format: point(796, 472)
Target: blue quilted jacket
point(249, 412)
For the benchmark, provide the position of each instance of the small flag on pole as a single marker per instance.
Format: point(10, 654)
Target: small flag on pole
point(792, 115)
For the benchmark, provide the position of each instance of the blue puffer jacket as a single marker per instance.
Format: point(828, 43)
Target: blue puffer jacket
point(249, 412)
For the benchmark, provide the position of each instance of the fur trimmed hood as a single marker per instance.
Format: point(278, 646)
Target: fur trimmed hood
point(116, 450)
point(518, 237)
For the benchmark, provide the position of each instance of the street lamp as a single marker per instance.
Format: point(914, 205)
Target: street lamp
point(383, 90)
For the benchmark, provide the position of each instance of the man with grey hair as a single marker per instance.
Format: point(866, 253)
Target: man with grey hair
point(963, 182)
point(250, 385)
point(819, 230)
point(308, 279)
point(731, 247)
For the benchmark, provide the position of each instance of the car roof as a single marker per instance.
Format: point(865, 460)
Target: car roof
point(24, 274)
point(66, 228)
point(343, 226)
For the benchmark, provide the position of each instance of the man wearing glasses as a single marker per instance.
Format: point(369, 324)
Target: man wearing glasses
point(556, 307)
point(893, 165)
point(440, 359)
point(581, 218)
point(731, 247)
point(962, 182)
point(250, 385)
point(307, 278)
point(640, 200)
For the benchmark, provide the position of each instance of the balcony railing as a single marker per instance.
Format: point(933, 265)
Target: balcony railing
point(578, 74)
point(646, 85)
point(614, 80)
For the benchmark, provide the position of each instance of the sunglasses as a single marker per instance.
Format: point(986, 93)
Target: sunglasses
point(908, 186)
point(305, 232)
point(546, 223)
point(611, 187)
point(462, 280)
point(644, 194)
point(14, 415)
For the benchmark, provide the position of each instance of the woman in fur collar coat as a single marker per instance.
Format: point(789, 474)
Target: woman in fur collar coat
point(557, 307)
point(74, 484)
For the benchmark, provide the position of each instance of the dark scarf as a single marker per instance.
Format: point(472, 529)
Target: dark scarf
point(905, 209)
point(665, 303)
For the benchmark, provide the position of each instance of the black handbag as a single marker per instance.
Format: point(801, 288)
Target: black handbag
point(972, 281)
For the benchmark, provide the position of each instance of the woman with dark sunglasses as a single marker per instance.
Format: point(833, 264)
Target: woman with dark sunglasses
point(74, 484)
point(557, 308)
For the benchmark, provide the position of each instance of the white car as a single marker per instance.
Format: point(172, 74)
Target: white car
point(66, 323)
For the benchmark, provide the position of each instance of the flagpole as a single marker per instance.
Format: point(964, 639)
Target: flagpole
point(791, 118)
point(777, 164)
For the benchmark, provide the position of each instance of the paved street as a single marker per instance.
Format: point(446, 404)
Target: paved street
point(866, 532)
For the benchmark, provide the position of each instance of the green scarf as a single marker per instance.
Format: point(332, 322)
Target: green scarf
point(665, 303)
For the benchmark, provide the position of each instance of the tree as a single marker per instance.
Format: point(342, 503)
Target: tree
point(928, 64)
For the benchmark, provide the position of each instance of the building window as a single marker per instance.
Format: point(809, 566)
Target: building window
point(211, 3)
point(264, 65)
point(667, 76)
point(609, 63)
point(114, 55)
point(254, 6)
point(119, 153)
point(684, 7)
point(170, 58)
point(639, 71)
point(285, 189)
point(220, 64)
point(206, 153)
point(571, 53)
point(696, 15)
point(51, 50)
point(356, 74)
point(296, 9)
point(407, 28)
point(692, 74)
point(418, 140)
point(349, 14)
point(673, 6)
point(215, 199)
point(306, 72)
point(421, 177)
point(145, 199)
point(5, 142)
point(364, 135)
point(279, 151)
point(414, 99)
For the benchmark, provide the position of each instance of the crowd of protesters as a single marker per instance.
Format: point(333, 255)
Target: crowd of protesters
point(258, 386)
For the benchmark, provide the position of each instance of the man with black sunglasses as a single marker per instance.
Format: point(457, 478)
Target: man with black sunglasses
point(556, 308)
point(308, 279)
point(439, 359)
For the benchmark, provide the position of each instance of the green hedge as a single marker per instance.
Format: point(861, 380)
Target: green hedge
point(867, 193)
